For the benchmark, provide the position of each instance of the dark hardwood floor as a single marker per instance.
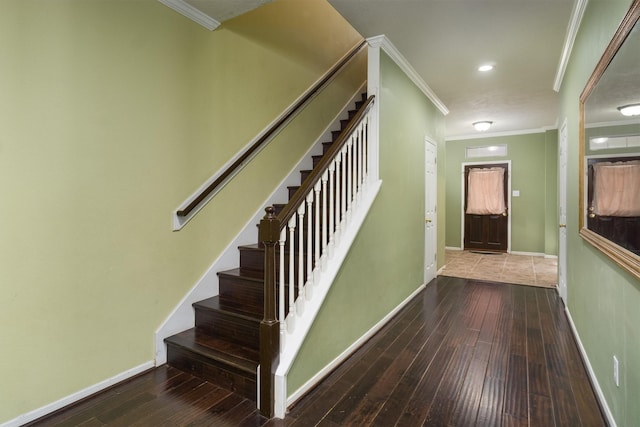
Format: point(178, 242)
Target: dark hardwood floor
point(462, 353)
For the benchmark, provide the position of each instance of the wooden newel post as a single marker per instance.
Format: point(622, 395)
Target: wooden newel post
point(269, 327)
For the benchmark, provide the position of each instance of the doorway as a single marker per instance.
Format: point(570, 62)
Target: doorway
point(486, 206)
point(430, 197)
point(562, 212)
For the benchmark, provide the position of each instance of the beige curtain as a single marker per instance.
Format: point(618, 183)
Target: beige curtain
point(616, 189)
point(485, 191)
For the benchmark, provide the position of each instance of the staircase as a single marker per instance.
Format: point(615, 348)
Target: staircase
point(223, 347)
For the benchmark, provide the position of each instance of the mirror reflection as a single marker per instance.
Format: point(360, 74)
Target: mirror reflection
point(612, 149)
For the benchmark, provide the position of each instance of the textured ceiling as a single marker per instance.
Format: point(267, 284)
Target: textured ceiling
point(445, 41)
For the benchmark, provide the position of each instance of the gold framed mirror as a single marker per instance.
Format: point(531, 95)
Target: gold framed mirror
point(610, 149)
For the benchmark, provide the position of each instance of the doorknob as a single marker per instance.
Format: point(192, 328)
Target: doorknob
point(563, 225)
point(427, 220)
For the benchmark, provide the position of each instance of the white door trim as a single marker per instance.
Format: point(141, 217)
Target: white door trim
point(562, 210)
point(431, 213)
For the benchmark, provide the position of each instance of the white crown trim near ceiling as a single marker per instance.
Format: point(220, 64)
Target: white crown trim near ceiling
point(192, 13)
point(572, 31)
point(498, 134)
point(401, 61)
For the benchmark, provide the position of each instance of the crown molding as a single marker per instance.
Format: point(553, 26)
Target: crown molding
point(386, 45)
point(499, 134)
point(192, 13)
point(572, 31)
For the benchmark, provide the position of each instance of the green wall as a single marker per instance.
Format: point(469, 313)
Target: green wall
point(603, 300)
point(385, 263)
point(533, 173)
point(111, 114)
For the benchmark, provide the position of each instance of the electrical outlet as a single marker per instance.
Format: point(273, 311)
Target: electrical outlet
point(616, 371)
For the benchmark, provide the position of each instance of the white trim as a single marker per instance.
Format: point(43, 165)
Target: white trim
point(510, 174)
point(77, 396)
point(182, 316)
point(373, 88)
point(401, 61)
point(498, 134)
point(434, 220)
point(192, 13)
point(312, 306)
point(592, 374)
point(538, 254)
point(572, 31)
point(350, 350)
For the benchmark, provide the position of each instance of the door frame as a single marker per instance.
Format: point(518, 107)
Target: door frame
point(463, 185)
point(434, 221)
point(563, 146)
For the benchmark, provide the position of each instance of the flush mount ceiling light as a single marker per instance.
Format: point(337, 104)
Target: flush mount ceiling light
point(482, 126)
point(630, 110)
point(486, 67)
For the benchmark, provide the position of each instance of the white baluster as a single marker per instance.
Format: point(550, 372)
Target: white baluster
point(316, 241)
point(365, 151)
point(324, 219)
point(300, 299)
point(338, 198)
point(281, 286)
point(332, 203)
point(349, 176)
point(359, 154)
point(292, 274)
point(309, 254)
point(343, 189)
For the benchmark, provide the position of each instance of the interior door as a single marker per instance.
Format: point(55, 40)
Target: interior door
point(487, 232)
point(562, 212)
point(430, 197)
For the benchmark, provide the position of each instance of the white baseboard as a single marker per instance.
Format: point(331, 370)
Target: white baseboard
point(592, 374)
point(306, 387)
point(540, 254)
point(75, 397)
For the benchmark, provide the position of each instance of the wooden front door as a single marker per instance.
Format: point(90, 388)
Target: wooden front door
point(486, 232)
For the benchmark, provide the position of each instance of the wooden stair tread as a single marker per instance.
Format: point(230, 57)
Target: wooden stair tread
point(239, 310)
point(244, 273)
point(242, 358)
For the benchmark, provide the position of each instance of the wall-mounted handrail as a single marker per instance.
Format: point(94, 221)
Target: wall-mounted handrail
point(270, 133)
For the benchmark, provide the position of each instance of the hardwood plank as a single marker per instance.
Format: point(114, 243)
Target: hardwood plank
point(462, 353)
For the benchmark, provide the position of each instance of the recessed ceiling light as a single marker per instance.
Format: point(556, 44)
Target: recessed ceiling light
point(485, 68)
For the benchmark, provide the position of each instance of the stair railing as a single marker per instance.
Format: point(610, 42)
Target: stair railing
point(300, 240)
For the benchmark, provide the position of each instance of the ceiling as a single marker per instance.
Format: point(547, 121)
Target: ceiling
point(446, 40)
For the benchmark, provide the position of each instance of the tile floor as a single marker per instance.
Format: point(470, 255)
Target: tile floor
point(508, 268)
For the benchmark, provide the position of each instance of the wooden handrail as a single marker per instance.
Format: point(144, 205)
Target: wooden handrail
point(300, 194)
point(285, 118)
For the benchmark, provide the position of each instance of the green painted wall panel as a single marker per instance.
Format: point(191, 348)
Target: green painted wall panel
point(112, 113)
point(532, 171)
point(603, 300)
point(385, 263)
